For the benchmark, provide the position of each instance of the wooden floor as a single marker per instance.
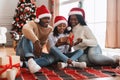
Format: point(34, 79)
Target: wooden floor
point(11, 51)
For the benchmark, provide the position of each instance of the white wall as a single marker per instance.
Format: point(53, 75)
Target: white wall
point(7, 11)
point(40, 2)
point(95, 11)
point(65, 6)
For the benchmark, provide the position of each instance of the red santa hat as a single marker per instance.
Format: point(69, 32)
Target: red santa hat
point(78, 11)
point(41, 12)
point(59, 19)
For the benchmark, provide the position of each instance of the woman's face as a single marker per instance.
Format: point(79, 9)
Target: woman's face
point(73, 20)
point(61, 28)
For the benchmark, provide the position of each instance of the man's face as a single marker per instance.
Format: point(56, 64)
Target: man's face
point(44, 21)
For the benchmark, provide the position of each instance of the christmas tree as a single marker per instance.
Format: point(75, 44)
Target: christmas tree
point(24, 12)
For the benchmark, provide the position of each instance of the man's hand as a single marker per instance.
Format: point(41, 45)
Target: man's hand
point(37, 48)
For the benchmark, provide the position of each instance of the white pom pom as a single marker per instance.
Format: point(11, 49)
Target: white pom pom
point(37, 20)
point(17, 37)
point(69, 28)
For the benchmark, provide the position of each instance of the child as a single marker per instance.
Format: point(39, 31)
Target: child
point(59, 42)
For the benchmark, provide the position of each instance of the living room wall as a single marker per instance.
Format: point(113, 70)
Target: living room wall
point(7, 11)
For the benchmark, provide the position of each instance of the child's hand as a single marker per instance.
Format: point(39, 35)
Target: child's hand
point(62, 41)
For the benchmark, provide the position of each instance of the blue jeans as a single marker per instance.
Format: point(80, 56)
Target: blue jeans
point(25, 49)
point(64, 57)
point(93, 56)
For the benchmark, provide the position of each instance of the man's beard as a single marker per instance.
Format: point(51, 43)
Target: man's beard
point(42, 24)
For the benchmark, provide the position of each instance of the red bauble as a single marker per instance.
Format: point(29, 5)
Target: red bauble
point(22, 24)
point(17, 19)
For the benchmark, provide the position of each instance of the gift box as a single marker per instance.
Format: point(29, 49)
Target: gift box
point(68, 39)
point(9, 66)
point(63, 39)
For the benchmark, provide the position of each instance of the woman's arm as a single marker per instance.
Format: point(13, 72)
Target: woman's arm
point(90, 39)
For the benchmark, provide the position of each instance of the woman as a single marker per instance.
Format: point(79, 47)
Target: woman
point(85, 40)
point(59, 45)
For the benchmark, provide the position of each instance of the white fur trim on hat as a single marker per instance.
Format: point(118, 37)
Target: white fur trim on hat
point(44, 15)
point(37, 20)
point(69, 28)
point(59, 22)
point(75, 12)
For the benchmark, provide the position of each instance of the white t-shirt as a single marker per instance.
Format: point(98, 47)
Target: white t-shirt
point(53, 39)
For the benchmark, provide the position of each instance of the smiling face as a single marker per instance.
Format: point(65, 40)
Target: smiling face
point(44, 21)
point(61, 28)
point(73, 20)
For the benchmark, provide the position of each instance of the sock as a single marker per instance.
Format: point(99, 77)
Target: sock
point(79, 64)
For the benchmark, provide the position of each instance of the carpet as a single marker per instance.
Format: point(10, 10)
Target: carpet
point(52, 73)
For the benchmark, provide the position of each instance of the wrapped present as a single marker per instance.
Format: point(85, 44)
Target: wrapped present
point(9, 64)
point(70, 38)
point(11, 73)
point(63, 39)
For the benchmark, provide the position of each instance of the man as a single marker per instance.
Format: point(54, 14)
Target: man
point(35, 37)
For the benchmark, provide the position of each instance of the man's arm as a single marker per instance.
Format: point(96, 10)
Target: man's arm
point(29, 33)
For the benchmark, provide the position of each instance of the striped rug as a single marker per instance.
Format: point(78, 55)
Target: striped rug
point(52, 73)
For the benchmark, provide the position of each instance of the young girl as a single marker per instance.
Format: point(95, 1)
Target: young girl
point(59, 45)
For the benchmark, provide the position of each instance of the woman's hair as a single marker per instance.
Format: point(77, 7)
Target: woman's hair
point(56, 32)
point(80, 20)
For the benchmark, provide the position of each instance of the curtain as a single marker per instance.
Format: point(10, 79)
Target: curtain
point(113, 24)
point(54, 8)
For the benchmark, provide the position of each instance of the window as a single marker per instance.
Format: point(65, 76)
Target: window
point(95, 15)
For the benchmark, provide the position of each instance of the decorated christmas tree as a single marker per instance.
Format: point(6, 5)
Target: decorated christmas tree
point(24, 12)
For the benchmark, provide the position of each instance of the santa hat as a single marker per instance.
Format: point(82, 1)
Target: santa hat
point(78, 11)
point(59, 19)
point(41, 12)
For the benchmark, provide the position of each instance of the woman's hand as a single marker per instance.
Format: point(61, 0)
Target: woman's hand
point(79, 40)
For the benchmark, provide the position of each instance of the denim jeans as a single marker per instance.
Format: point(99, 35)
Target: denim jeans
point(93, 56)
point(25, 49)
point(64, 57)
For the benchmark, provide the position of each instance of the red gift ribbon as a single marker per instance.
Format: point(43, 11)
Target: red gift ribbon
point(71, 39)
point(9, 66)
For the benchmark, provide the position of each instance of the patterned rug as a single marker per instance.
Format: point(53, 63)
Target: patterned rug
point(52, 73)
